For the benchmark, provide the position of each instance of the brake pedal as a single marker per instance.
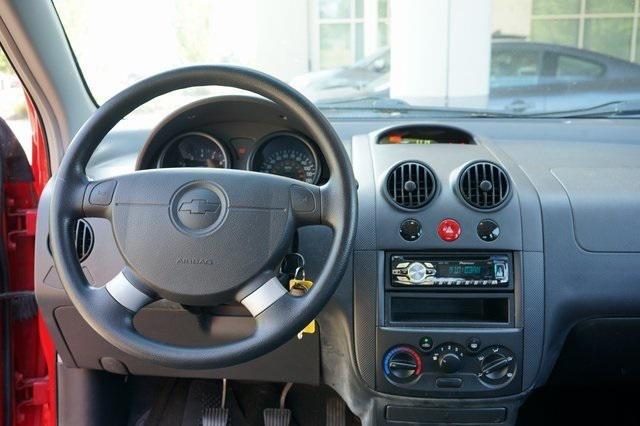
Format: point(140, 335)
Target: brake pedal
point(278, 416)
point(215, 417)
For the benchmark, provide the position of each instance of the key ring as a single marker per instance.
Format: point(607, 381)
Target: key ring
point(296, 275)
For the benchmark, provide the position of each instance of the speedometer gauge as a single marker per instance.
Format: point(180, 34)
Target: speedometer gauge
point(195, 149)
point(289, 155)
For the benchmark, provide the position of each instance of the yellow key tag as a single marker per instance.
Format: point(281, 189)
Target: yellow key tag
point(298, 286)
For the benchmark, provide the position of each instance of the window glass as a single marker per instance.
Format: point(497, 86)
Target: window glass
point(556, 7)
point(335, 45)
point(383, 8)
point(332, 9)
point(556, 31)
point(359, 41)
point(610, 6)
point(611, 36)
point(359, 9)
point(13, 105)
point(328, 49)
point(637, 58)
point(574, 69)
point(515, 68)
point(383, 34)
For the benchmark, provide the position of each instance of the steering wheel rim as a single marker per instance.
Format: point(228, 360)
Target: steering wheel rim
point(278, 315)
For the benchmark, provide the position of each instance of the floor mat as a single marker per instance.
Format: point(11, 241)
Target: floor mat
point(181, 402)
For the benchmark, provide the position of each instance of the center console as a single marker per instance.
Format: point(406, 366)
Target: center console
point(450, 325)
point(448, 283)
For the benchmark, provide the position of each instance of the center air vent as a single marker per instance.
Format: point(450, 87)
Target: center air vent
point(411, 185)
point(484, 185)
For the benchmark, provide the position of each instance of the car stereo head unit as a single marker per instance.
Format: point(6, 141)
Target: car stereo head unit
point(451, 272)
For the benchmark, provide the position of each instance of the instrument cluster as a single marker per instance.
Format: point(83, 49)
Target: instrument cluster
point(282, 153)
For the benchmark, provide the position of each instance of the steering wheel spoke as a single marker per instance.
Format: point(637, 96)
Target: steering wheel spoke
point(128, 291)
point(265, 295)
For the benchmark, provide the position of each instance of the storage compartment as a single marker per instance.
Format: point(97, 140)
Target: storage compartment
point(485, 309)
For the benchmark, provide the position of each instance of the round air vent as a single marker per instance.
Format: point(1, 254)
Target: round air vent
point(484, 185)
point(83, 238)
point(411, 185)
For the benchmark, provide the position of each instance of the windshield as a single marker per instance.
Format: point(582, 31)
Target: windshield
point(472, 57)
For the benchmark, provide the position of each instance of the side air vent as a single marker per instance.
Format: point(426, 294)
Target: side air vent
point(83, 239)
point(484, 185)
point(411, 185)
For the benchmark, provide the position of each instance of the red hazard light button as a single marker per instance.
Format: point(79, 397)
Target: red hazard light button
point(449, 230)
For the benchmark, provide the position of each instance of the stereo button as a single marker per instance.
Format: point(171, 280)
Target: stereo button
point(488, 230)
point(417, 272)
point(410, 229)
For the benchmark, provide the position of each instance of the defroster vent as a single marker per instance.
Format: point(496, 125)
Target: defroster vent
point(411, 185)
point(484, 185)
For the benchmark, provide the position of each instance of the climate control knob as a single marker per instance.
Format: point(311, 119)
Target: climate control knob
point(449, 357)
point(402, 363)
point(497, 366)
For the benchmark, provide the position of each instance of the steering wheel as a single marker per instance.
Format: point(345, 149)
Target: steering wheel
point(201, 237)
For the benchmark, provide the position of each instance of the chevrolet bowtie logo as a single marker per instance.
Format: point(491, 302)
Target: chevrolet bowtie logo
point(199, 207)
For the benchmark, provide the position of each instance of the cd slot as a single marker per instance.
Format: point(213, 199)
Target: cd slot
point(478, 310)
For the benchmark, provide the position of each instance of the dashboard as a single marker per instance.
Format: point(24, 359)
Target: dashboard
point(258, 146)
point(485, 250)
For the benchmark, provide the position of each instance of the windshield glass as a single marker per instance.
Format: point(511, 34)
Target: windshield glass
point(476, 57)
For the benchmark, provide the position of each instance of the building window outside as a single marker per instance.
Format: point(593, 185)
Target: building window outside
point(341, 30)
point(605, 26)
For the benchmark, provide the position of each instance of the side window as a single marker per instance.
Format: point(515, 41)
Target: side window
point(13, 105)
point(515, 68)
point(573, 69)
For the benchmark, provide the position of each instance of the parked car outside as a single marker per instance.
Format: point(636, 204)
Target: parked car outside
point(525, 78)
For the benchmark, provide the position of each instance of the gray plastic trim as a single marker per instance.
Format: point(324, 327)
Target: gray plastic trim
point(265, 296)
point(121, 289)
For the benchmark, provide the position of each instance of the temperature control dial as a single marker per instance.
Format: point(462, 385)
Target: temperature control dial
point(448, 357)
point(402, 363)
point(497, 366)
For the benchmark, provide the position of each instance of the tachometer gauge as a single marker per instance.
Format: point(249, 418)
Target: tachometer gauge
point(195, 149)
point(289, 155)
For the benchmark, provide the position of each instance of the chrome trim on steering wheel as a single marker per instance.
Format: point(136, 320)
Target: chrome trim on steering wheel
point(126, 294)
point(265, 296)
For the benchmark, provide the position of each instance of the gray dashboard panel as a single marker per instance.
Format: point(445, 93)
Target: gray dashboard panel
point(570, 272)
point(604, 203)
